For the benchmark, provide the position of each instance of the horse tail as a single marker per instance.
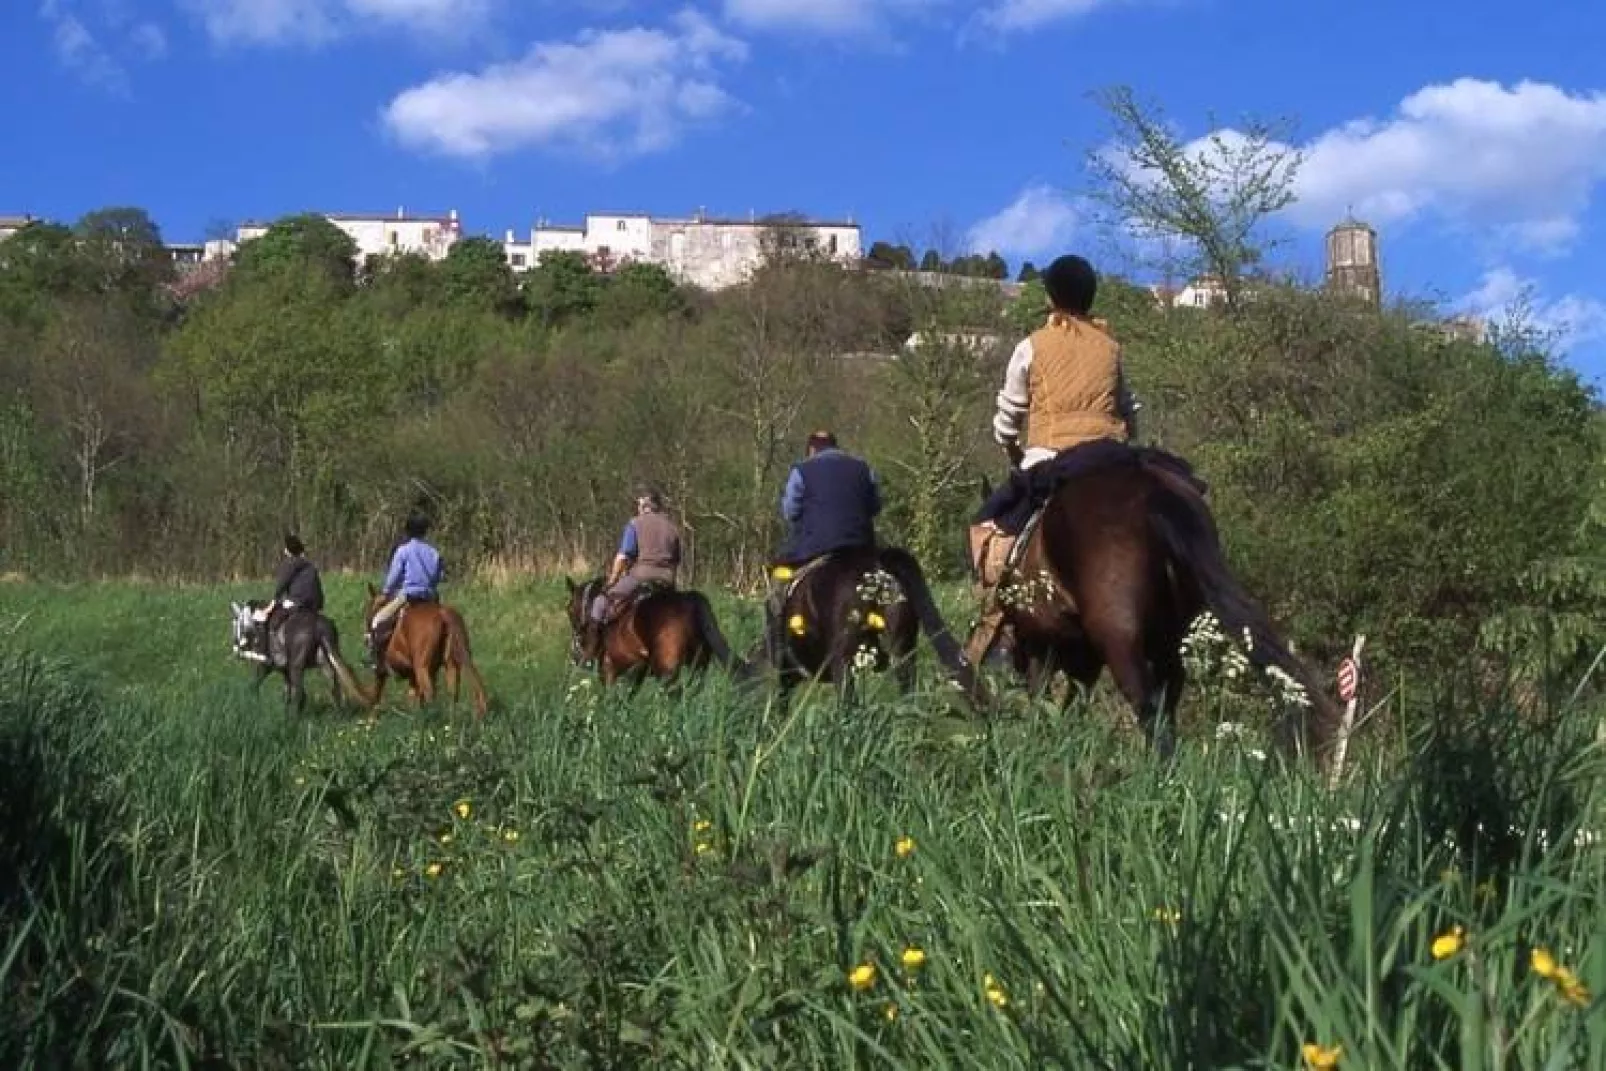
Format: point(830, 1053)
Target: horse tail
point(329, 641)
point(1184, 525)
point(457, 649)
point(708, 628)
point(907, 572)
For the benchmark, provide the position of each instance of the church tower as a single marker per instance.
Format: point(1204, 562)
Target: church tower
point(1352, 266)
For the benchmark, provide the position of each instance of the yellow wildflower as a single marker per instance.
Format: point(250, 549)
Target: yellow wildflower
point(1448, 944)
point(905, 847)
point(1166, 914)
point(433, 870)
point(446, 838)
point(798, 625)
point(1543, 963)
point(913, 958)
point(890, 1012)
point(874, 621)
point(704, 848)
point(463, 809)
point(782, 572)
point(862, 977)
point(510, 835)
point(1571, 989)
point(703, 826)
point(995, 992)
point(1322, 1058)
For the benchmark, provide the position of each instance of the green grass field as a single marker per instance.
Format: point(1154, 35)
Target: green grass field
point(188, 878)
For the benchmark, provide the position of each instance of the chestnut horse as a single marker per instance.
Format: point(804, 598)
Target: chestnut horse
point(860, 610)
point(1125, 556)
point(427, 637)
point(661, 631)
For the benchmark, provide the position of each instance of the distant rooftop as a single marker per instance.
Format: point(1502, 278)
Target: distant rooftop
point(770, 220)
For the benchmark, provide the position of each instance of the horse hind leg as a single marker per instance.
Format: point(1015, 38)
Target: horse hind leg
point(1134, 676)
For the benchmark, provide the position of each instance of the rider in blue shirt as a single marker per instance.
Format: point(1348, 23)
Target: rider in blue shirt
point(415, 573)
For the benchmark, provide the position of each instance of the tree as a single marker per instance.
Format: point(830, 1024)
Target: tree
point(561, 287)
point(297, 244)
point(888, 256)
point(931, 261)
point(637, 291)
point(1028, 272)
point(476, 272)
point(1213, 196)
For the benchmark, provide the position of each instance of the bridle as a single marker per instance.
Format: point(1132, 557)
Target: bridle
point(584, 596)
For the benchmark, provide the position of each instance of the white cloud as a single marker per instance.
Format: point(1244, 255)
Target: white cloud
point(1040, 221)
point(1010, 15)
point(312, 22)
point(616, 93)
point(79, 50)
point(1524, 161)
point(821, 16)
point(1573, 319)
point(149, 39)
point(267, 21)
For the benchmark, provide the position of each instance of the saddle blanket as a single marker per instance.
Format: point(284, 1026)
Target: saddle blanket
point(1027, 490)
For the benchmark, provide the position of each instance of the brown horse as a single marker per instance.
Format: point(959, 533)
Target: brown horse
point(660, 632)
point(856, 611)
point(1125, 557)
point(428, 637)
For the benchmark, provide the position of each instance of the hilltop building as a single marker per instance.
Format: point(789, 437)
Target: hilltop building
point(10, 225)
point(379, 235)
point(705, 251)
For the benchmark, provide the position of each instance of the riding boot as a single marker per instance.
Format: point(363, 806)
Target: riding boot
point(985, 634)
point(774, 625)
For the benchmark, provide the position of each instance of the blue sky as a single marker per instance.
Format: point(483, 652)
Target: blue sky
point(1473, 137)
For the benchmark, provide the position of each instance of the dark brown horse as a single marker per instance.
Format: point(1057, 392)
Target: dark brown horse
point(660, 632)
point(428, 637)
point(1125, 557)
point(857, 611)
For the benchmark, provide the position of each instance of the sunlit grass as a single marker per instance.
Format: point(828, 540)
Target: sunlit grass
point(587, 880)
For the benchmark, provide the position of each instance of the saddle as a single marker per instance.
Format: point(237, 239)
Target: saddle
point(645, 590)
point(793, 575)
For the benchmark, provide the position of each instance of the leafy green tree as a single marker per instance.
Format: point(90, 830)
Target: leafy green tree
point(637, 291)
point(476, 273)
point(1215, 200)
point(1028, 272)
point(561, 288)
point(306, 242)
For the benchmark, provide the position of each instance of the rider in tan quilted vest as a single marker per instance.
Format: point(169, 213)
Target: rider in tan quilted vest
point(1066, 381)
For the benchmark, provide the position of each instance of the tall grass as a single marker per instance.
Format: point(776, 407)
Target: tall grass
point(197, 880)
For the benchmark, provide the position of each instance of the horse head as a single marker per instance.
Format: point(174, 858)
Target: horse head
point(246, 628)
point(578, 608)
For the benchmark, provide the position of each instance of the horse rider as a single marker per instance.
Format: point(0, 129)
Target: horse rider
point(649, 551)
point(830, 504)
point(1066, 379)
point(296, 586)
point(415, 574)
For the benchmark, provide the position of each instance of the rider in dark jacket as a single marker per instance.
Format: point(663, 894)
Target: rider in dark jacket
point(831, 502)
point(296, 584)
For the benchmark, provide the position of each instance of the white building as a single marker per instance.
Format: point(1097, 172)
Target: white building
point(10, 225)
point(378, 235)
point(707, 252)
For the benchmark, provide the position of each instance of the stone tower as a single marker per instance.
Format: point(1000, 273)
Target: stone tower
point(1352, 266)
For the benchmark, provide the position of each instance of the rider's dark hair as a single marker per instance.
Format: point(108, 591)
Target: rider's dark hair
point(293, 544)
point(651, 496)
point(821, 440)
point(1071, 284)
point(417, 525)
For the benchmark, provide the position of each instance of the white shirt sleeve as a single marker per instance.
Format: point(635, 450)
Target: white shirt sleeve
point(1015, 398)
